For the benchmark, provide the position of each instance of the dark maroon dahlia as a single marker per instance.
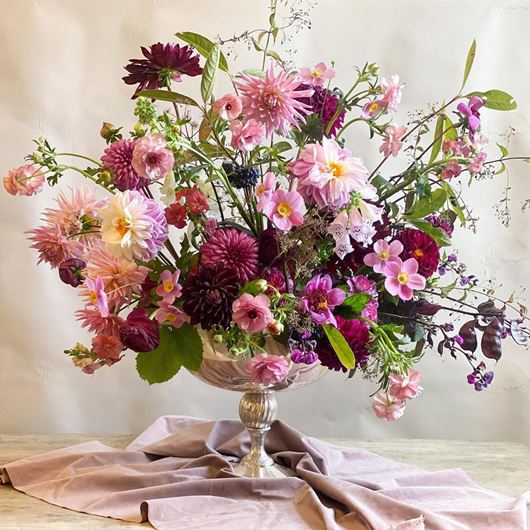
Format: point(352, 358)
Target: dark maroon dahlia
point(140, 333)
point(421, 247)
point(162, 63)
point(208, 294)
point(118, 158)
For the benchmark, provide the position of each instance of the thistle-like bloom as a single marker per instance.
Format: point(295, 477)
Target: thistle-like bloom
point(268, 369)
point(118, 158)
point(273, 101)
point(391, 92)
point(228, 107)
point(94, 293)
point(284, 208)
point(24, 180)
point(317, 75)
point(387, 408)
point(169, 288)
point(383, 254)
point(403, 387)
point(252, 313)
point(392, 143)
point(319, 298)
point(171, 314)
point(151, 158)
point(329, 174)
point(402, 278)
point(162, 63)
point(246, 135)
point(133, 226)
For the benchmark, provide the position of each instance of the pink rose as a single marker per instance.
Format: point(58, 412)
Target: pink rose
point(387, 408)
point(404, 387)
point(252, 313)
point(246, 135)
point(228, 107)
point(24, 180)
point(268, 369)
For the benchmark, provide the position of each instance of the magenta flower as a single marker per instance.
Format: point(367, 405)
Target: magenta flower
point(383, 254)
point(284, 208)
point(139, 333)
point(151, 157)
point(252, 313)
point(228, 107)
point(107, 348)
point(319, 298)
point(387, 408)
point(268, 369)
point(246, 135)
point(392, 143)
point(402, 278)
point(24, 180)
point(471, 112)
point(171, 314)
point(169, 288)
point(403, 387)
point(273, 101)
point(118, 158)
point(391, 92)
point(317, 75)
point(451, 170)
point(95, 294)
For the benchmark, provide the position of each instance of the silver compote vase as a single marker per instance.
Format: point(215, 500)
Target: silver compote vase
point(258, 406)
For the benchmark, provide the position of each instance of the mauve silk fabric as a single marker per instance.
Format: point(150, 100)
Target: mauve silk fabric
point(178, 475)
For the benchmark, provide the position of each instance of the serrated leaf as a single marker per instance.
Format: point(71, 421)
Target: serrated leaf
point(166, 95)
point(209, 72)
point(428, 205)
point(340, 346)
point(496, 99)
point(203, 46)
point(439, 235)
point(469, 62)
point(438, 138)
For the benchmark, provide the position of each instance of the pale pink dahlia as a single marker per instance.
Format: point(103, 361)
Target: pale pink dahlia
point(24, 180)
point(118, 158)
point(151, 157)
point(232, 249)
point(273, 101)
point(53, 246)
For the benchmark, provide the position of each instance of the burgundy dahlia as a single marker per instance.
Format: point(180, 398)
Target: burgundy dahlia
point(71, 271)
point(356, 334)
point(140, 333)
point(232, 249)
point(117, 158)
point(162, 63)
point(421, 247)
point(208, 294)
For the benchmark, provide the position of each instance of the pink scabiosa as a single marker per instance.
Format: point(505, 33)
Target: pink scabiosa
point(392, 143)
point(319, 297)
point(403, 387)
point(317, 75)
point(139, 332)
point(228, 107)
point(402, 278)
point(383, 254)
point(162, 63)
point(95, 295)
point(328, 174)
point(231, 248)
point(284, 208)
point(133, 226)
point(246, 135)
point(24, 180)
point(252, 313)
point(151, 157)
point(391, 92)
point(268, 369)
point(107, 348)
point(421, 247)
point(171, 314)
point(362, 284)
point(273, 101)
point(118, 159)
point(92, 320)
point(387, 408)
point(169, 288)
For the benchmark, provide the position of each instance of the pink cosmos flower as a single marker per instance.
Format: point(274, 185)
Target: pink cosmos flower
point(228, 107)
point(252, 313)
point(317, 75)
point(284, 208)
point(246, 135)
point(107, 348)
point(319, 298)
point(328, 174)
point(266, 187)
point(477, 163)
point(383, 254)
point(451, 170)
point(273, 101)
point(169, 288)
point(391, 91)
point(151, 157)
point(402, 278)
point(403, 387)
point(387, 408)
point(24, 180)
point(392, 143)
point(372, 109)
point(268, 369)
point(171, 314)
point(94, 292)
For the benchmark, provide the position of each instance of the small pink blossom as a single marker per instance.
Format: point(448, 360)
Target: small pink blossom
point(96, 296)
point(317, 75)
point(392, 143)
point(252, 313)
point(372, 109)
point(266, 187)
point(107, 347)
point(246, 135)
point(383, 254)
point(402, 278)
point(451, 170)
point(169, 288)
point(171, 314)
point(24, 180)
point(387, 408)
point(210, 226)
point(268, 369)
point(151, 157)
point(457, 148)
point(403, 387)
point(391, 91)
point(284, 208)
point(477, 163)
point(228, 107)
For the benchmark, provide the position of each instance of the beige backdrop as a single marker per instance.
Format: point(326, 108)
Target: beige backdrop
point(60, 68)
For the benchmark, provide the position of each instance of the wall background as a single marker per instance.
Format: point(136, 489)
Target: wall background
point(60, 65)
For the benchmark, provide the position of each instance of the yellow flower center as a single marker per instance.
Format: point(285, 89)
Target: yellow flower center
point(418, 253)
point(93, 297)
point(171, 317)
point(315, 73)
point(122, 226)
point(284, 209)
point(373, 107)
point(337, 169)
point(403, 278)
point(168, 286)
point(323, 304)
point(260, 190)
point(384, 254)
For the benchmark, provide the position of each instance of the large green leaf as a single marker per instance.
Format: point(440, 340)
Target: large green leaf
point(340, 346)
point(428, 205)
point(209, 72)
point(469, 61)
point(203, 46)
point(438, 138)
point(166, 95)
point(496, 99)
point(178, 347)
point(438, 234)
point(353, 305)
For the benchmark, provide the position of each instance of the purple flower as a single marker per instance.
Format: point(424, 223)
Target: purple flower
point(471, 378)
point(140, 333)
point(303, 357)
point(439, 222)
point(441, 271)
point(458, 339)
point(71, 271)
point(471, 112)
point(319, 298)
point(452, 257)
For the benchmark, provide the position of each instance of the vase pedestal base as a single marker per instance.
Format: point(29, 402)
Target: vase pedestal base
point(272, 471)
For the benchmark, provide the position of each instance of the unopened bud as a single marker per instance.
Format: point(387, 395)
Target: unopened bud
point(105, 177)
point(262, 285)
point(138, 129)
point(107, 131)
point(275, 327)
point(218, 338)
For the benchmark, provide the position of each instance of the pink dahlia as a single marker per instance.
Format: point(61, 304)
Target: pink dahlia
point(24, 180)
point(95, 323)
point(328, 174)
point(53, 246)
point(151, 158)
point(252, 313)
point(246, 135)
point(268, 369)
point(284, 208)
point(118, 158)
point(232, 249)
point(273, 101)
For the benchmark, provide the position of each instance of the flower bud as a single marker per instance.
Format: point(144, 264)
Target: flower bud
point(275, 327)
point(71, 271)
point(107, 131)
point(218, 339)
point(105, 177)
point(262, 285)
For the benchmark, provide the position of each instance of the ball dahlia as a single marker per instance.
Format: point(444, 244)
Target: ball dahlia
point(118, 158)
point(421, 247)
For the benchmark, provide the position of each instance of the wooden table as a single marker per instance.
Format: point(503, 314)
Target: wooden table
point(504, 467)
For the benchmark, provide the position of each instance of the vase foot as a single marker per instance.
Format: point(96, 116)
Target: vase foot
point(272, 471)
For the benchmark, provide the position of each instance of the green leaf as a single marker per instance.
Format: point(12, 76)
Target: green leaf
point(340, 346)
point(438, 234)
point(353, 305)
point(502, 169)
point(469, 61)
point(496, 99)
point(208, 73)
point(178, 347)
point(451, 132)
point(254, 72)
point(274, 55)
point(203, 46)
point(503, 149)
point(166, 95)
point(453, 198)
point(429, 205)
point(448, 288)
point(281, 147)
point(438, 138)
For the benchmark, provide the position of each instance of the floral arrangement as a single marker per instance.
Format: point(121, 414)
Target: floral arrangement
point(246, 216)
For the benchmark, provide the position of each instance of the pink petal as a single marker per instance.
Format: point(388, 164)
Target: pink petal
point(336, 297)
point(392, 286)
point(395, 248)
point(371, 259)
point(393, 267)
point(405, 292)
point(416, 281)
point(380, 245)
point(410, 266)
